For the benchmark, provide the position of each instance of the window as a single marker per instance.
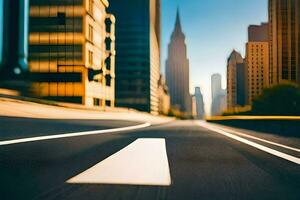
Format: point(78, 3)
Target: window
point(108, 103)
point(108, 80)
point(91, 33)
point(91, 58)
point(96, 102)
point(91, 7)
point(61, 18)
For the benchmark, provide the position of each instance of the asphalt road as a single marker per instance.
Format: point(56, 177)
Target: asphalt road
point(203, 164)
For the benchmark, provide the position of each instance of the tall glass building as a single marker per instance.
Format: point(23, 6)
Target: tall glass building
point(13, 38)
point(284, 31)
point(138, 53)
point(72, 50)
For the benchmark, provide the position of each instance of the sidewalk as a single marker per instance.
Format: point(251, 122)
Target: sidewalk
point(16, 106)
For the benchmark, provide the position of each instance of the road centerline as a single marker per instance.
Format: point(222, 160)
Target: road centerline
point(143, 162)
point(75, 134)
point(250, 143)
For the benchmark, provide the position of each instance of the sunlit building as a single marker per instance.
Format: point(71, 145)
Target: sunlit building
point(257, 58)
point(177, 70)
point(284, 32)
point(13, 38)
point(138, 53)
point(200, 112)
point(163, 96)
point(236, 81)
point(72, 50)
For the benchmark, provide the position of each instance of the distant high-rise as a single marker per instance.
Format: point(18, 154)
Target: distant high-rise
point(200, 113)
point(71, 51)
point(177, 70)
point(218, 95)
point(236, 80)
point(163, 96)
point(13, 38)
point(138, 57)
point(284, 32)
point(216, 85)
point(257, 59)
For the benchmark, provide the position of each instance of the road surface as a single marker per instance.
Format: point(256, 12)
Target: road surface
point(185, 160)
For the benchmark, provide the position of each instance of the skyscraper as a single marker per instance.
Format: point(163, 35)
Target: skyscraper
point(138, 57)
point(177, 70)
point(257, 58)
point(284, 32)
point(218, 104)
point(163, 96)
point(236, 80)
point(216, 85)
point(200, 113)
point(13, 38)
point(71, 51)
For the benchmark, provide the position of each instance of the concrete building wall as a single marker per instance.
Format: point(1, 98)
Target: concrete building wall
point(164, 101)
point(257, 58)
point(68, 51)
point(236, 80)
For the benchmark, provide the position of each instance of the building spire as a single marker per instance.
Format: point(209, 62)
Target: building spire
point(178, 24)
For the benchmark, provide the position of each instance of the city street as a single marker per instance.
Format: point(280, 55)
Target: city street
point(201, 163)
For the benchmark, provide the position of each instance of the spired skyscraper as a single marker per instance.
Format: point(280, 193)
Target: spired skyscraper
point(177, 70)
point(138, 53)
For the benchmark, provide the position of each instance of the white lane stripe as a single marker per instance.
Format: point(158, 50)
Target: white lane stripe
point(253, 144)
point(68, 135)
point(143, 162)
point(256, 138)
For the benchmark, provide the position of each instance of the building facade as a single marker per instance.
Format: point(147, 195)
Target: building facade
point(284, 33)
point(236, 81)
point(138, 57)
point(218, 95)
point(13, 38)
point(200, 112)
point(164, 100)
point(177, 70)
point(257, 59)
point(71, 51)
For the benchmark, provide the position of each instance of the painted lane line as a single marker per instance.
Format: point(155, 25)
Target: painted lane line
point(69, 135)
point(253, 144)
point(259, 139)
point(143, 162)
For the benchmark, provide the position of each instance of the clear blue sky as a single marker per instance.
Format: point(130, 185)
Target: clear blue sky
point(213, 28)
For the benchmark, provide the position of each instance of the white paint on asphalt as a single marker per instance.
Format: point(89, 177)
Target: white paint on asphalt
point(69, 135)
point(259, 139)
point(143, 162)
point(253, 144)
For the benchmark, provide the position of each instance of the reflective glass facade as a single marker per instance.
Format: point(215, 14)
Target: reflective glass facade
point(13, 38)
point(138, 53)
point(284, 18)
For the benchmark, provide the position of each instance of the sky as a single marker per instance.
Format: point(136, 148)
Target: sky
point(213, 28)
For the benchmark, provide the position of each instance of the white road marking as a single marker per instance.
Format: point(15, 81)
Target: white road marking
point(68, 135)
point(259, 139)
point(143, 162)
point(253, 144)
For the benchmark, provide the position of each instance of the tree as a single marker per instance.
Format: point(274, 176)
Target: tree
point(283, 99)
